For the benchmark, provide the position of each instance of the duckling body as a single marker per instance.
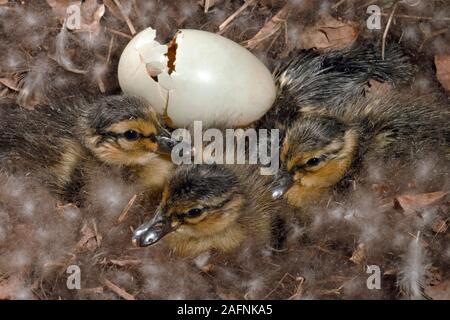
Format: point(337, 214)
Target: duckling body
point(332, 79)
point(326, 148)
point(59, 143)
point(212, 207)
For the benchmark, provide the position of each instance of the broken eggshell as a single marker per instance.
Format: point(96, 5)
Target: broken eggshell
point(197, 76)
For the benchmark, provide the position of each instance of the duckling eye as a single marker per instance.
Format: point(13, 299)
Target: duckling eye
point(131, 135)
point(194, 212)
point(313, 162)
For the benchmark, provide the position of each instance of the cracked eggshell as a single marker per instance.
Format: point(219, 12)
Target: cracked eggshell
point(197, 76)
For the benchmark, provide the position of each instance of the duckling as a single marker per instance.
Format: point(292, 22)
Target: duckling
point(331, 79)
point(323, 150)
point(218, 207)
point(55, 143)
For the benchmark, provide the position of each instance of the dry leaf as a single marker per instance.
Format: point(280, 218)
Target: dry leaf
point(328, 33)
point(89, 241)
point(410, 203)
point(359, 255)
point(439, 292)
point(443, 70)
point(11, 83)
point(117, 290)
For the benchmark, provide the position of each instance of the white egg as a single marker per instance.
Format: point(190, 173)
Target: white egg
point(197, 76)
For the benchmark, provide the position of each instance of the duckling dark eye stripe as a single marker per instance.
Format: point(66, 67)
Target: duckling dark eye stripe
point(219, 206)
point(184, 215)
point(122, 135)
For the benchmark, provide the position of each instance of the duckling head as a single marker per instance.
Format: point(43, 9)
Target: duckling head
point(124, 130)
point(200, 210)
point(316, 154)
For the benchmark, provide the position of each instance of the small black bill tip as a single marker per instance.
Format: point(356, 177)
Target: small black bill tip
point(282, 182)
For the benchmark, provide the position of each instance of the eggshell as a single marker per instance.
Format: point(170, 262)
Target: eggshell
point(197, 76)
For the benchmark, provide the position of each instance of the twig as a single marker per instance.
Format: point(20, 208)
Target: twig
point(278, 284)
point(117, 290)
point(119, 33)
point(334, 6)
point(405, 16)
point(299, 290)
point(234, 15)
point(137, 11)
point(98, 238)
point(208, 4)
point(108, 58)
point(388, 25)
point(439, 230)
point(127, 208)
point(101, 84)
point(127, 20)
point(124, 263)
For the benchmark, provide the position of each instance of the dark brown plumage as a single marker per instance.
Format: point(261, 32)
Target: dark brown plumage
point(324, 149)
point(59, 143)
point(207, 207)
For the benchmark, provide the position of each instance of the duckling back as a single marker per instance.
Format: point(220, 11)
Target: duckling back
point(398, 125)
point(331, 79)
point(41, 142)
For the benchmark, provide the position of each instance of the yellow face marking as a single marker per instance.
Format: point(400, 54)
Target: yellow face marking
point(211, 222)
point(313, 181)
point(284, 149)
point(129, 152)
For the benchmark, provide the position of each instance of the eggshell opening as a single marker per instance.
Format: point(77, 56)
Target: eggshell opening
point(197, 76)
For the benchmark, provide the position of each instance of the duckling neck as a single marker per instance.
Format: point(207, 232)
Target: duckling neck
point(363, 135)
point(224, 241)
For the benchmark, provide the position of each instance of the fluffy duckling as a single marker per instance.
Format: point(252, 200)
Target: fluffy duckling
point(208, 207)
point(331, 79)
point(323, 150)
point(56, 143)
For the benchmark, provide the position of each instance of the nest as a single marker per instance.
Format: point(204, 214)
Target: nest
point(397, 225)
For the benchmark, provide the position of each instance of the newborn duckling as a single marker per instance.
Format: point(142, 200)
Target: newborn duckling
point(57, 142)
point(313, 80)
point(323, 149)
point(208, 207)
